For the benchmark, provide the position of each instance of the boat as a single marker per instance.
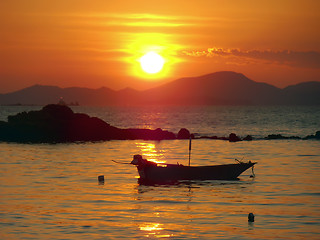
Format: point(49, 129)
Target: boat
point(159, 173)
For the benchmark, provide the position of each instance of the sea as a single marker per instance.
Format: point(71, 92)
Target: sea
point(51, 191)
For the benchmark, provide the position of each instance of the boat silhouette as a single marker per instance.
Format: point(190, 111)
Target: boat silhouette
point(155, 173)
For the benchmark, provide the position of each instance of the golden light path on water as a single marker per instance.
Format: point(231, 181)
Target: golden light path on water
point(150, 152)
point(50, 191)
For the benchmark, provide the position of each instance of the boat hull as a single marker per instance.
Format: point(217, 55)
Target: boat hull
point(153, 173)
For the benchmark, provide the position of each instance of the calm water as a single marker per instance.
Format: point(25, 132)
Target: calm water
point(51, 191)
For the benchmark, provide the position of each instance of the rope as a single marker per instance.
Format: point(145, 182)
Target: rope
point(240, 161)
point(253, 174)
point(119, 162)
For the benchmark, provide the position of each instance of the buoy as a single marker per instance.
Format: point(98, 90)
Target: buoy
point(251, 217)
point(101, 179)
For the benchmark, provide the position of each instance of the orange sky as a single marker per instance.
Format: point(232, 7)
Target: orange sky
point(98, 43)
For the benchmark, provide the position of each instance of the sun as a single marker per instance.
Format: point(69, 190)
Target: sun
point(151, 62)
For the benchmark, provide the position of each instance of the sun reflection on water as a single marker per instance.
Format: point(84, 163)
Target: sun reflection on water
point(153, 230)
point(150, 227)
point(151, 152)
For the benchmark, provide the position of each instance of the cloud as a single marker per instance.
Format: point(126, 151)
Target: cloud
point(304, 59)
point(128, 20)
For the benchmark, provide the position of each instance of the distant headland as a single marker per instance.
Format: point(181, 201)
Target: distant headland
point(220, 88)
point(56, 123)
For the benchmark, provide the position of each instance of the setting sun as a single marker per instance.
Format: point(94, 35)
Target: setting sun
point(151, 62)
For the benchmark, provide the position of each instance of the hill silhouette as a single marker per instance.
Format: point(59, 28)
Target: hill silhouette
point(302, 93)
point(220, 88)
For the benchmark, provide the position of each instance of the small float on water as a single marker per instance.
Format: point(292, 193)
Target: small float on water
point(151, 172)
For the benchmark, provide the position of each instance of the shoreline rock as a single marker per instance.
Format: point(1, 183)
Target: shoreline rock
point(234, 138)
point(279, 136)
point(58, 124)
point(184, 134)
point(316, 136)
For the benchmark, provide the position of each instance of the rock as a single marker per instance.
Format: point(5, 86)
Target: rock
point(248, 138)
point(316, 136)
point(146, 134)
point(223, 138)
point(294, 137)
point(214, 137)
point(58, 123)
point(234, 138)
point(183, 134)
point(275, 136)
point(279, 136)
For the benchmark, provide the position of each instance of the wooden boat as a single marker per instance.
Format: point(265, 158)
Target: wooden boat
point(151, 172)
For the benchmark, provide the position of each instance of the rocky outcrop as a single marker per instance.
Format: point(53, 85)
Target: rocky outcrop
point(316, 136)
point(279, 136)
point(145, 134)
point(57, 123)
point(248, 138)
point(184, 134)
point(234, 138)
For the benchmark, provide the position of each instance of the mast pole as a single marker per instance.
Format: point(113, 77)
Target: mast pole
point(189, 150)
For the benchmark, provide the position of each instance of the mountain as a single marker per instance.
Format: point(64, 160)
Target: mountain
point(42, 95)
point(223, 88)
point(302, 93)
point(220, 88)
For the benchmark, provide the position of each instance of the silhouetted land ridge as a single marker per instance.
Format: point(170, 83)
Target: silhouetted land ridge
point(220, 88)
point(58, 123)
